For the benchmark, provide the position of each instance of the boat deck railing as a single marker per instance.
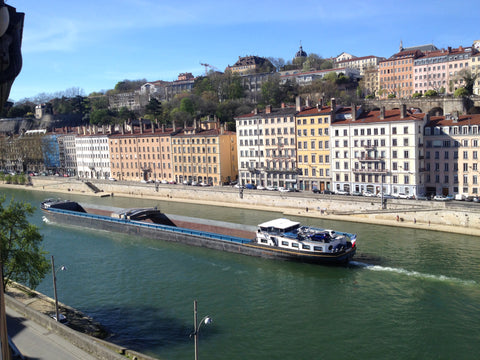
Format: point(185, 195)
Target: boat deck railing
point(173, 229)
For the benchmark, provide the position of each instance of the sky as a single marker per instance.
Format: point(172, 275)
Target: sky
point(92, 45)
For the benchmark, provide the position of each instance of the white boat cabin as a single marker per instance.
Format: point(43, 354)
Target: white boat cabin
point(287, 234)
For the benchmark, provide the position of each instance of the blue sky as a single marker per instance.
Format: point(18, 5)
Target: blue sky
point(92, 45)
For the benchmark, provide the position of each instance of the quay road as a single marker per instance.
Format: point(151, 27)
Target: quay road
point(36, 342)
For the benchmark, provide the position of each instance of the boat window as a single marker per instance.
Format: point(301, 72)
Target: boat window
point(318, 248)
point(263, 241)
point(306, 247)
point(285, 243)
point(295, 245)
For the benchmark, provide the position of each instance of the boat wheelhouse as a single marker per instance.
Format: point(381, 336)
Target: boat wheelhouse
point(291, 235)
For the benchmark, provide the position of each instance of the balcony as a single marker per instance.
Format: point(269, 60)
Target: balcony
point(369, 158)
point(370, 171)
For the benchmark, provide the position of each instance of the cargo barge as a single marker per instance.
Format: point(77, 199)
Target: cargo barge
point(278, 239)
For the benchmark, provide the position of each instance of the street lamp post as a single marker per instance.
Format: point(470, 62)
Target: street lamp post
point(206, 320)
point(54, 273)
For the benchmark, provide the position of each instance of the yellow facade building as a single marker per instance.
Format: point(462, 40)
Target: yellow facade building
point(313, 148)
point(205, 154)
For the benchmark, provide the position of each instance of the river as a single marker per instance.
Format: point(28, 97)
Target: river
point(409, 294)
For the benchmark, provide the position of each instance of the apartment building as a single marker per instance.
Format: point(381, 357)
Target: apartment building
point(139, 153)
point(250, 64)
point(377, 150)
point(452, 155)
point(396, 74)
point(313, 148)
point(475, 67)
point(204, 154)
point(267, 147)
point(441, 70)
point(251, 148)
point(92, 150)
point(360, 63)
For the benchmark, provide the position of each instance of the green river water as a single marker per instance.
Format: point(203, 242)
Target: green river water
point(409, 294)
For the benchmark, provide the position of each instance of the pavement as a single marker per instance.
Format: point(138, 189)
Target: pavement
point(36, 342)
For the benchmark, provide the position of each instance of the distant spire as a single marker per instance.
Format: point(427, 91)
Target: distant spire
point(401, 45)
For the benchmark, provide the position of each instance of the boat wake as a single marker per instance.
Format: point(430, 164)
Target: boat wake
point(45, 220)
point(415, 274)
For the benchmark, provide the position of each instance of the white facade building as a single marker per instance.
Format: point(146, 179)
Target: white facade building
point(92, 152)
point(378, 149)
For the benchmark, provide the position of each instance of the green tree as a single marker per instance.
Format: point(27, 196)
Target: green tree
point(153, 108)
point(271, 92)
point(187, 106)
point(461, 92)
point(22, 257)
point(469, 80)
point(430, 93)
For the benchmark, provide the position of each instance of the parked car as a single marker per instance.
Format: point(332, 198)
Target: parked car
point(271, 188)
point(112, 179)
point(422, 197)
point(404, 196)
point(342, 192)
point(368, 194)
point(250, 186)
point(316, 191)
point(260, 187)
point(440, 198)
point(284, 189)
point(356, 193)
point(327, 192)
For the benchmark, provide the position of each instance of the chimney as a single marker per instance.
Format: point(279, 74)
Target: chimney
point(122, 128)
point(333, 105)
point(298, 103)
point(268, 109)
point(283, 105)
point(307, 102)
point(163, 128)
point(382, 113)
point(153, 126)
point(78, 130)
point(141, 125)
point(255, 111)
point(354, 112)
point(84, 130)
point(222, 129)
point(173, 125)
point(403, 111)
point(132, 128)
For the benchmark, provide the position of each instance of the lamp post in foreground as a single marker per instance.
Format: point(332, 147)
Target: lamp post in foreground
point(206, 320)
point(54, 273)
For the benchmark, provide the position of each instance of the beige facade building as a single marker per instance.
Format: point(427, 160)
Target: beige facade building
point(139, 153)
point(205, 154)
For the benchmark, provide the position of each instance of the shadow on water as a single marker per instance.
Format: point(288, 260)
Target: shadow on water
point(146, 328)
